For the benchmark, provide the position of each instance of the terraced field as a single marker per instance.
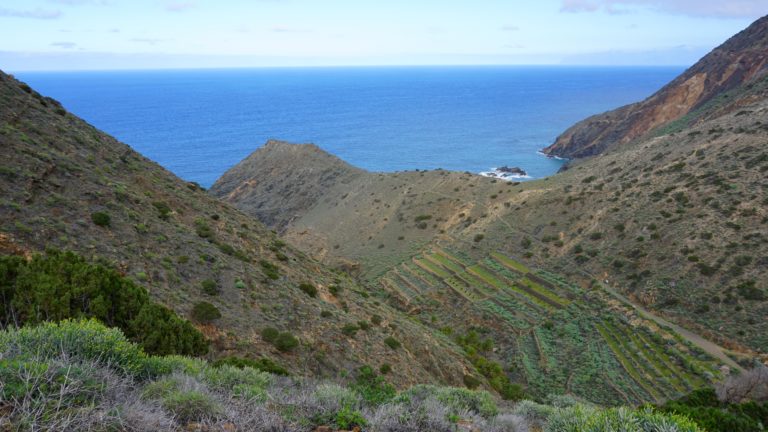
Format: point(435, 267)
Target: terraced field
point(556, 334)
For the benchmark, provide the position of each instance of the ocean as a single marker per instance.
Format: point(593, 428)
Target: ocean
point(199, 123)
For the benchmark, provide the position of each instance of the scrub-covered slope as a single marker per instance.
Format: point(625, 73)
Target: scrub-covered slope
point(66, 185)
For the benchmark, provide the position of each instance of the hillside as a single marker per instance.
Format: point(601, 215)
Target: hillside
point(741, 60)
point(655, 248)
point(270, 185)
point(66, 185)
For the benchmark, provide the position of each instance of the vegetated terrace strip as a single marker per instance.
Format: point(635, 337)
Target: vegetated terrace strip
point(626, 364)
point(709, 347)
point(639, 359)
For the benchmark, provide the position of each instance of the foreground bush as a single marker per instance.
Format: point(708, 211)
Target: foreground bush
point(81, 375)
point(62, 285)
point(705, 408)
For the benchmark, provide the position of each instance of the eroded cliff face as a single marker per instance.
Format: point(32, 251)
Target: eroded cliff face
point(740, 61)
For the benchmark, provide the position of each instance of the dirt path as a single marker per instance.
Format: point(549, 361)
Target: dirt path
point(708, 346)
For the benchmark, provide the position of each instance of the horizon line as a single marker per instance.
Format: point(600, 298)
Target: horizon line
point(356, 66)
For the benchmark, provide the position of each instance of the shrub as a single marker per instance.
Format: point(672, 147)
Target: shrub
point(579, 417)
point(364, 325)
point(478, 237)
point(270, 270)
point(334, 290)
point(350, 329)
point(285, 342)
point(163, 210)
point(471, 382)
point(385, 369)
point(308, 289)
point(84, 340)
point(204, 312)
point(242, 382)
point(326, 314)
point(190, 406)
point(226, 248)
point(376, 319)
point(210, 287)
point(706, 410)
point(392, 342)
point(347, 419)
point(101, 219)
point(202, 229)
point(270, 334)
point(42, 289)
point(263, 364)
point(371, 387)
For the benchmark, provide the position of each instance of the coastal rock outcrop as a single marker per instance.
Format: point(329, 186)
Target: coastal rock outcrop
point(739, 61)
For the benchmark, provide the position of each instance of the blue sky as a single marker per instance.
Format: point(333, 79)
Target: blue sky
point(127, 34)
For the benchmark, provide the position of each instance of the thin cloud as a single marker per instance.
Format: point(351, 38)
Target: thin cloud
point(81, 2)
point(696, 8)
point(510, 28)
point(65, 45)
point(148, 41)
point(31, 14)
point(179, 6)
point(280, 29)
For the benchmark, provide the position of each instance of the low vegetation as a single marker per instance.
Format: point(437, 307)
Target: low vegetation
point(81, 375)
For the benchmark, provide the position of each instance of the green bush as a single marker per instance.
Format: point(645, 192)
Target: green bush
point(242, 382)
point(347, 418)
point(457, 400)
point(40, 380)
point(270, 270)
point(371, 387)
point(204, 312)
point(163, 210)
point(286, 342)
point(385, 369)
point(270, 334)
point(210, 287)
point(376, 319)
point(202, 229)
point(478, 237)
point(392, 342)
point(101, 219)
point(263, 364)
point(45, 288)
point(350, 329)
point(83, 340)
point(705, 409)
point(226, 248)
point(582, 418)
point(326, 314)
point(191, 406)
point(308, 289)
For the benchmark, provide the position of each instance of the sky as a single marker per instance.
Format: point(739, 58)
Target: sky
point(152, 34)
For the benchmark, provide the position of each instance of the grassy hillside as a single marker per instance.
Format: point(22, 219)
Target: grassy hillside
point(66, 185)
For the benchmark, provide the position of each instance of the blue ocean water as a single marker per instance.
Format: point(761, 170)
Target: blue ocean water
point(199, 123)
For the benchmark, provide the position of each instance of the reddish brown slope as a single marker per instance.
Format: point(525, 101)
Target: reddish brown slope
point(740, 60)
